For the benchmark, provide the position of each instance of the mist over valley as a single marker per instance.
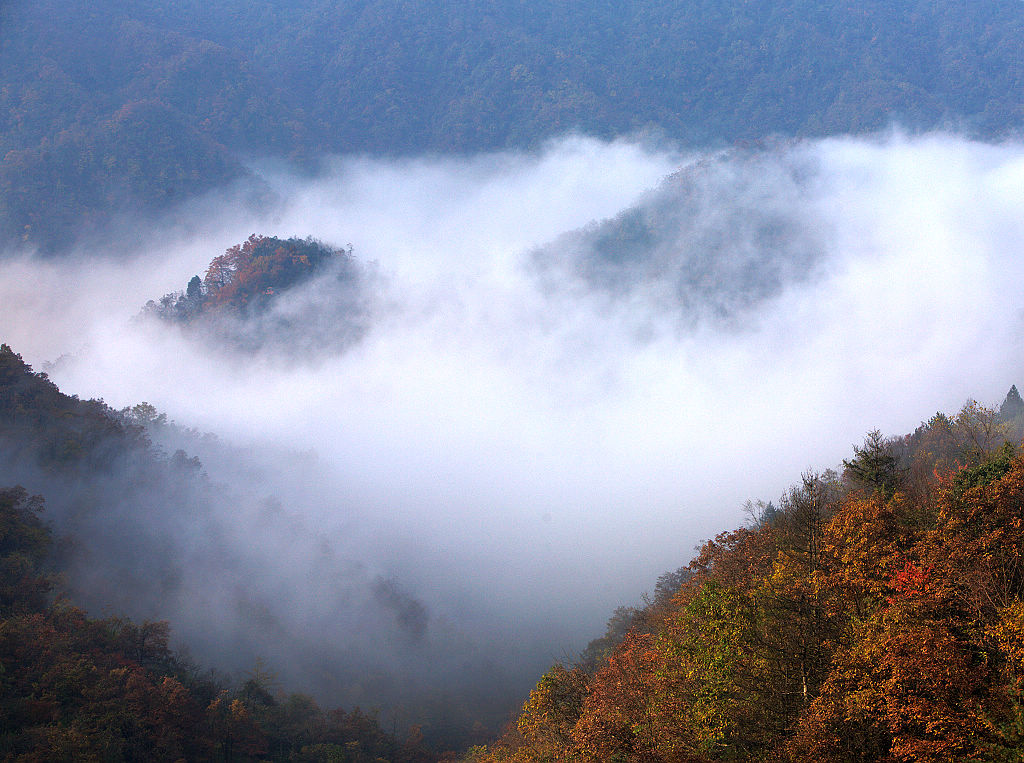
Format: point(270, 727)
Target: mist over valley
point(568, 356)
point(391, 355)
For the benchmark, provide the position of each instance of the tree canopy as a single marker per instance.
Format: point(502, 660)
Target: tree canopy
point(875, 617)
point(136, 105)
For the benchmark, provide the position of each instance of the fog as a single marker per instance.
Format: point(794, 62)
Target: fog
point(578, 364)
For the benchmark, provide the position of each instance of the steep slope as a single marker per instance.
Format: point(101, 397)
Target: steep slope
point(870, 616)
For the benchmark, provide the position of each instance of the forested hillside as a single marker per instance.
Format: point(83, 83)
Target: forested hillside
point(616, 265)
point(871, 615)
point(137, 105)
point(79, 688)
point(139, 527)
point(712, 243)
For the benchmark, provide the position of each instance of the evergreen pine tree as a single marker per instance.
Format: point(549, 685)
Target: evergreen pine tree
point(1013, 405)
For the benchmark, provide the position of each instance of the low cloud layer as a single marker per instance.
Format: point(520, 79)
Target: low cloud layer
point(580, 363)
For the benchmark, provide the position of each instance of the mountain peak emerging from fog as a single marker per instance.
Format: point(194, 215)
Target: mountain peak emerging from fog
point(252, 297)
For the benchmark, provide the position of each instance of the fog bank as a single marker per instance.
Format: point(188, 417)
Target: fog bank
point(580, 363)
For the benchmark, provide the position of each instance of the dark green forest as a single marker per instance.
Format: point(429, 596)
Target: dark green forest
point(135, 106)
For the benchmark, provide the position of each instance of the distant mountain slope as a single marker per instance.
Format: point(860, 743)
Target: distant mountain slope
point(136, 105)
point(710, 244)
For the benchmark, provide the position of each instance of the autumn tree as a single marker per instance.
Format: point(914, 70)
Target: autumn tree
point(635, 709)
point(878, 618)
point(551, 712)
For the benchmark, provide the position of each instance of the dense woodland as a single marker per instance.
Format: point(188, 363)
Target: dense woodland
point(138, 105)
point(869, 614)
point(74, 687)
point(873, 614)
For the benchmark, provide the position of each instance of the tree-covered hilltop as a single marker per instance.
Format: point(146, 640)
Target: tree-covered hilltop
point(135, 105)
point(875, 614)
point(239, 300)
point(709, 243)
point(246, 278)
